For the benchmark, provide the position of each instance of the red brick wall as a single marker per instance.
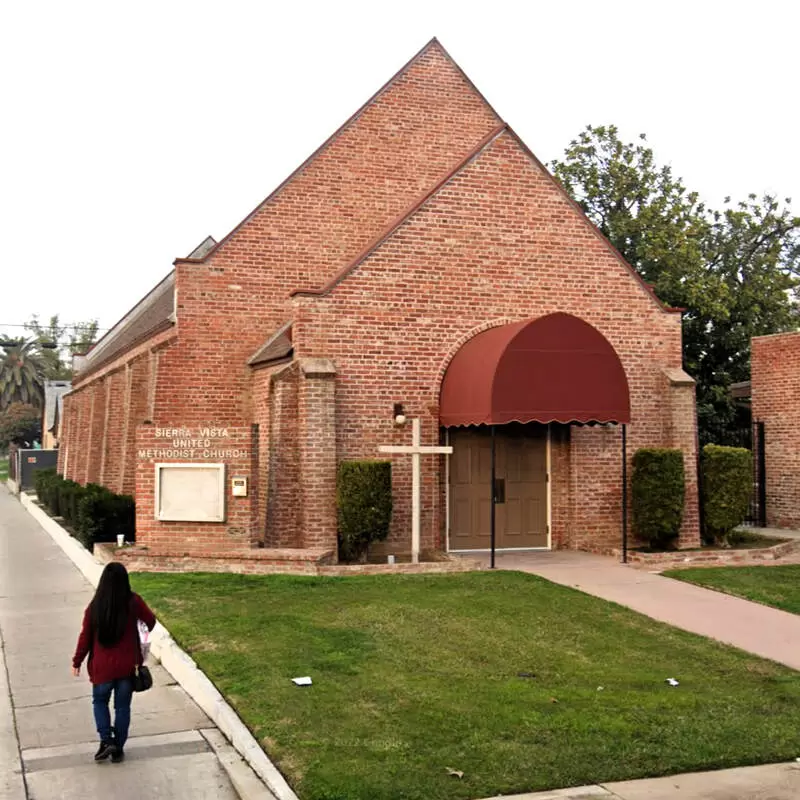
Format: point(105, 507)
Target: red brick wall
point(775, 387)
point(196, 537)
point(283, 518)
point(81, 436)
point(500, 242)
point(102, 413)
point(316, 414)
point(399, 146)
point(67, 424)
point(261, 417)
point(97, 418)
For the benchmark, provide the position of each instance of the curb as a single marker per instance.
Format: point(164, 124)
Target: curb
point(12, 780)
point(181, 666)
point(574, 793)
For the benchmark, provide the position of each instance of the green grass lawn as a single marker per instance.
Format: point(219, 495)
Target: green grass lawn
point(3, 469)
point(773, 586)
point(417, 674)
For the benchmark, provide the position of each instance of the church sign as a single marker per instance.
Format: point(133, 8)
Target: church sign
point(187, 472)
point(204, 442)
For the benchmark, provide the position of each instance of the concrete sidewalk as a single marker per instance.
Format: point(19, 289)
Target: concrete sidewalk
point(767, 782)
point(764, 631)
point(49, 725)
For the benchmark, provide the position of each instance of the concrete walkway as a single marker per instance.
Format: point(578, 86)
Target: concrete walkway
point(767, 782)
point(46, 722)
point(767, 632)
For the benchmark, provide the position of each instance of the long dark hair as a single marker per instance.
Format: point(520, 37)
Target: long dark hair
point(111, 605)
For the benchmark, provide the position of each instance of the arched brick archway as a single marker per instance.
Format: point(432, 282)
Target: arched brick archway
point(499, 394)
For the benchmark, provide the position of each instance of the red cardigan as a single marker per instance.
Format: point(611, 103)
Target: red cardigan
point(109, 663)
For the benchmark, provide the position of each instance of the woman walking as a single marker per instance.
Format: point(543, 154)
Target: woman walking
point(110, 637)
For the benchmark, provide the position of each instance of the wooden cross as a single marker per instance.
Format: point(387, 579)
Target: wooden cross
point(415, 450)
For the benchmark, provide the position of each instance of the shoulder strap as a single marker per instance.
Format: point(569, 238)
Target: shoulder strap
point(132, 612)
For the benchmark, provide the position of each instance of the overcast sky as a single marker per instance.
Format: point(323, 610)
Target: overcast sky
point(130, 132)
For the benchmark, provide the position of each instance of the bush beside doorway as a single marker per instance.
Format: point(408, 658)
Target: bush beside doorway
point(727, 486)
point(658, 486)
point(364, 506)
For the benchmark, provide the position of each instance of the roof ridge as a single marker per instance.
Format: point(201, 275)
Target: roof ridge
point(403, 217)
point(112, 332)
point(646, 286)
point(434, 42)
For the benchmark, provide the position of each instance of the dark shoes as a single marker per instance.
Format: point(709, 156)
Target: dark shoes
point(105, 750)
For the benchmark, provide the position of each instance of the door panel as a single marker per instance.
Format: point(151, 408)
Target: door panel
point(521, 461)
point(525, 459)
point(470, 504)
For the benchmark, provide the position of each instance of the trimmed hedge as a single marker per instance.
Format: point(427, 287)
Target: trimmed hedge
point(364, 506)
point(94, 513)
point(658, 487)
point(727, 486)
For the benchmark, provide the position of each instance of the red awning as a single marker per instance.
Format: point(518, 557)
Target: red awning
point(556, 368)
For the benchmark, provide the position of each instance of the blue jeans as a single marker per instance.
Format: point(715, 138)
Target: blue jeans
point(101, 695)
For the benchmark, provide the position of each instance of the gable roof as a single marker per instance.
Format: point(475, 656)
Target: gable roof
point(420, 202)
point(53, 394)
point(206, 246)
point(431, 46)
point(152, 314)
point(277, 347)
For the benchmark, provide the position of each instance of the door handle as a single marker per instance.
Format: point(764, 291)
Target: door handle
point(499, 490)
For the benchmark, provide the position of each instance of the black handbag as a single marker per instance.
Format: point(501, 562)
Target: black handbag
point(142, 677)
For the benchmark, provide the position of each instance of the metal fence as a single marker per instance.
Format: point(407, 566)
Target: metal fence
point(751, 437)
point(30, 461)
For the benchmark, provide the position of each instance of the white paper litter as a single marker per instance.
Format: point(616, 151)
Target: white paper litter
point(672, 682)
point(305, 681)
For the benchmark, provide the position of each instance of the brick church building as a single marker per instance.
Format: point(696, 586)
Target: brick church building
point(421, 264)
point(775, 399)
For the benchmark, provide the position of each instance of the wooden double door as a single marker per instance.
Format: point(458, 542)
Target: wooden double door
point(520, 487)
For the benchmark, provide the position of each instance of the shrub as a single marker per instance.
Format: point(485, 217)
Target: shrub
point(657, 488)
point(94, 513)
point(727, 474)
point(364, 506)
point(69, 494)
point(45, 481)
point(102, 514)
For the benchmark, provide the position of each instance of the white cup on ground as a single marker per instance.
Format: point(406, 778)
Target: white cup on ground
point(120, 539)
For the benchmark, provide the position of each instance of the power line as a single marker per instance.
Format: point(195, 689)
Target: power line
point(79, 326)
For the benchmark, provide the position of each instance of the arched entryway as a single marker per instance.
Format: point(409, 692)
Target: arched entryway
point(500, 395)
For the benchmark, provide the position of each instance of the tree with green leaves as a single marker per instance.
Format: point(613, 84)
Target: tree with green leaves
point(22, 374)
point(735, 271)
point(60, 342)
point(20, 424)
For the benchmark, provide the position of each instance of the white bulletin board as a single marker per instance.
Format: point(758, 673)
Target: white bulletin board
point(190, 492)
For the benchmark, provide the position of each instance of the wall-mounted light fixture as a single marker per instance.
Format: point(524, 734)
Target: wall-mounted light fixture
point(399, 414)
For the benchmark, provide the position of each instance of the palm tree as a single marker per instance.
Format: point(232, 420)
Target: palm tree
point(21, 374)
